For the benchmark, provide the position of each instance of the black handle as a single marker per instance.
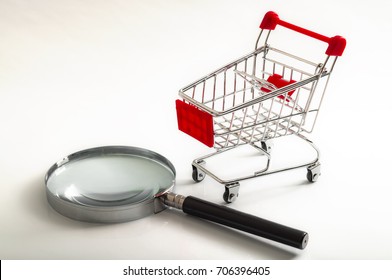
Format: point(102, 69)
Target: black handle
point(245, 222)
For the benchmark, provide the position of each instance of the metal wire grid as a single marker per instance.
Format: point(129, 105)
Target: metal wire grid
point(245, 113)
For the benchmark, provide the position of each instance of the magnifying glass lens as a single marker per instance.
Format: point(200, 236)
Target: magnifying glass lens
point(110, 179)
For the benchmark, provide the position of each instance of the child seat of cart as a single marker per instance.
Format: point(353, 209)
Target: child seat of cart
point(278, 81)
point(272, 83)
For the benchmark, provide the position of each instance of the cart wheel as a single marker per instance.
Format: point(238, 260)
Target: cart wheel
point(266, 145)
point(231, 192)
point(197, 175)
point(313, 173)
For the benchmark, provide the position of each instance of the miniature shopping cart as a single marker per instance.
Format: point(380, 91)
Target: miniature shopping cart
point(266, 94)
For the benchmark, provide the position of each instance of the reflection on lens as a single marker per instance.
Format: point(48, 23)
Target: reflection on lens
point(110, 180)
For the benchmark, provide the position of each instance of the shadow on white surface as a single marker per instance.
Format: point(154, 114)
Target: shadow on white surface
point(255, 247)
point(168, 233)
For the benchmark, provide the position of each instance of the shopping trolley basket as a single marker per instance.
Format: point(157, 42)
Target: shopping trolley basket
point(266, 94)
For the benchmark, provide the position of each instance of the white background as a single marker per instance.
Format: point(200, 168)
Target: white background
point(80, 74)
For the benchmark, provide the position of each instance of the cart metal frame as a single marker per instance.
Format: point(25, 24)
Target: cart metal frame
point(266, 94)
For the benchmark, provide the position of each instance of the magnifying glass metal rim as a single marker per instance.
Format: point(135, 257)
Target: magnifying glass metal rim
point(106, 213)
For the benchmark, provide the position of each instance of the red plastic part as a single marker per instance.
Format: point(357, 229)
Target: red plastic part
point(279, 82)
point(195, 122)
point(270, 21)
point(336, 44)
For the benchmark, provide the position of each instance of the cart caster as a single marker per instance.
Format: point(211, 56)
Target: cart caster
point(197, 175)
point(266, 146)
point(231, 192)
point(313, 172)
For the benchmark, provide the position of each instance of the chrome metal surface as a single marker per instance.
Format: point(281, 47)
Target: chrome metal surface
point(173, 200)
point(109, 184)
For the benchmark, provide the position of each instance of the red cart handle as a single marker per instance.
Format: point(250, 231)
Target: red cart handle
point(336, 44)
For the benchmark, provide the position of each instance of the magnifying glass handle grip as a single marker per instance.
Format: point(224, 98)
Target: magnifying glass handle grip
point(245, 222)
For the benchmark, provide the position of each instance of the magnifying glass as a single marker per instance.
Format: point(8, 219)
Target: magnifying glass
point(115, 184)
